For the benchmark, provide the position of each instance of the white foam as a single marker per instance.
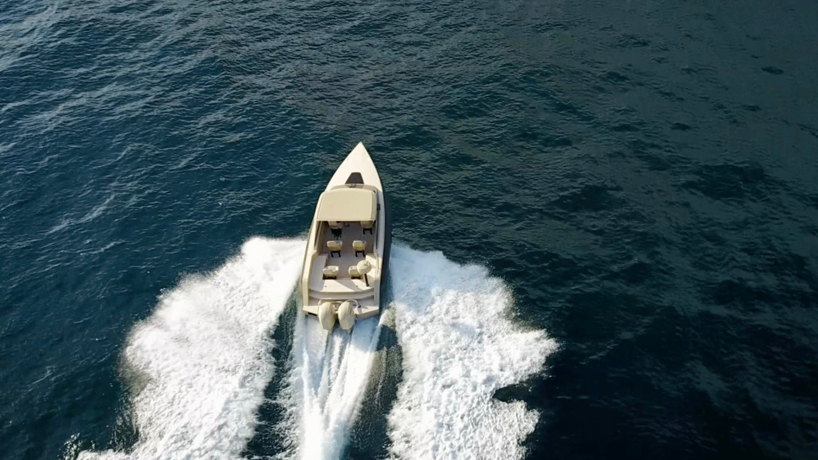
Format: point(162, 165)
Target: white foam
point(459, 347)
point(329, 377)
point(201, 361)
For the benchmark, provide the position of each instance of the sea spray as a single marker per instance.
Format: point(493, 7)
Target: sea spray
point(459, 347)
point(198, 366)
point(329, 377)
point(200, 363)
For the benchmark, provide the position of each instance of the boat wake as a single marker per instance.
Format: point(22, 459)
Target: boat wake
point(459, 346)
point(329, 377)
point(198, 366)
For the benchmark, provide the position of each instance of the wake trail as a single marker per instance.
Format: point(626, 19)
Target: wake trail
point(459, 346)
point(198, 366)
point(328, 379)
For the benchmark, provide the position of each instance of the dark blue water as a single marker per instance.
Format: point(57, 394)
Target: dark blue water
point(642, 176)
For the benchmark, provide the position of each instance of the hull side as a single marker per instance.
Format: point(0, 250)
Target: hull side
point(386, 252)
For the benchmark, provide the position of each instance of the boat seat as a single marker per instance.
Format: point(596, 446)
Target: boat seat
point(335, 247)
point(331, 272)
point(354, 273)
point(367, 225)
point(359, 247)
point(335, 228)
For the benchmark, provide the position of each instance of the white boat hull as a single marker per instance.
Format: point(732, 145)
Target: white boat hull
point(349, 279)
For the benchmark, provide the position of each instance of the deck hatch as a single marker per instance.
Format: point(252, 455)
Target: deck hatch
point(355, 178)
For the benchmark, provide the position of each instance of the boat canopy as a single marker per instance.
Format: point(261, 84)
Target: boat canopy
point(347, 205)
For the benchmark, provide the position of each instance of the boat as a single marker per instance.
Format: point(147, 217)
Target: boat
point(345, 263)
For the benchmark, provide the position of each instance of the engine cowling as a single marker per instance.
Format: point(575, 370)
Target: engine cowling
point(326, 315)
point(346, 315)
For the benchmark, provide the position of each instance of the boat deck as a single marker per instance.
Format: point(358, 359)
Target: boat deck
point(350, 232)
point(344, 287)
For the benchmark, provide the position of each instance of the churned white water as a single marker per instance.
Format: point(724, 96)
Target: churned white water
point(459, 346)
point(328, 380)
point(198, 366)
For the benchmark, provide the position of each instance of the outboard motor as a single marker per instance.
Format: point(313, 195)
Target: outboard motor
point(346, 315)
point(326, 315)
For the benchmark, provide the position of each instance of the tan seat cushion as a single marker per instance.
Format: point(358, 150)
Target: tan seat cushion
point(359, 245)
point(331, 271)
point(335, 245)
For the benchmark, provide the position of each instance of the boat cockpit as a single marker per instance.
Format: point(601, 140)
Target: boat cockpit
point(346, 242)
